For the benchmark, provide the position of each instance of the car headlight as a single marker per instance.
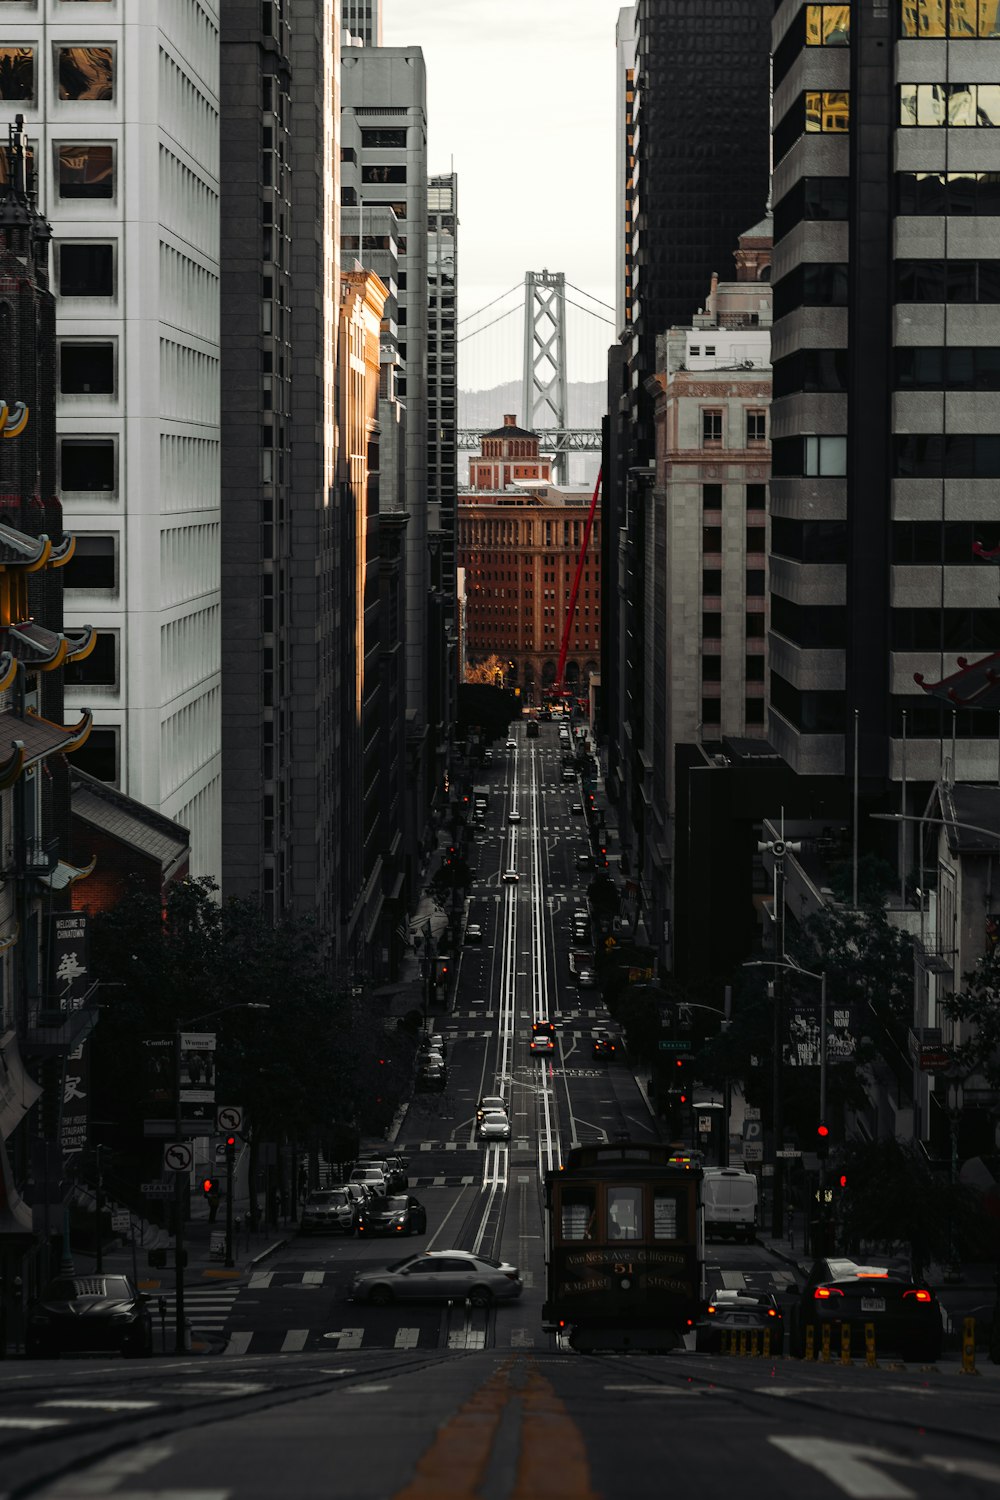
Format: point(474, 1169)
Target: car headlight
point(123, 1314)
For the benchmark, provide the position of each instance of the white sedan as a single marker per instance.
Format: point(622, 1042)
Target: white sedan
point(494, 1126)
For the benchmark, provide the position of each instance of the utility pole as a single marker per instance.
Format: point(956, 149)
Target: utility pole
point(180, 1188)
point(230, 1163)
point(98, 1215)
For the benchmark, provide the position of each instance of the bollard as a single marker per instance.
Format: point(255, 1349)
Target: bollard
point(969, 1347)
point(826, 1343)
point(723, 1340)
point(810, 1341)
point(161, 1307)
point(743, 1343)
point(845, 1344)
point(767, 1343)
point(870, 1359)
point(754, 1344)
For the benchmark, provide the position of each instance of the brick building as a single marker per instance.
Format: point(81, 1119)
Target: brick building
point(519, 539)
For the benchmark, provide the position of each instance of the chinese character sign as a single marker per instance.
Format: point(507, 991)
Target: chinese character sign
point(76, 1101)
point(71, 979)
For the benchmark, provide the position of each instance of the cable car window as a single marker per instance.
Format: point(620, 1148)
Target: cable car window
point(666, 1214)
point(624, 1213)
point(578, 1209)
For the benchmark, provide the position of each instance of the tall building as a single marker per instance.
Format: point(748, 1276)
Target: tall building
point(283, 803)
point(442, 444)
point(362, 21)
point(885, 455)
point(123, 122)
point(624, 163)
point(519, 541)
point(384, 144)
point(704, 542)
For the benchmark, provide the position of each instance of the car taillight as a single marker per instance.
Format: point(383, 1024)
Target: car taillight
point(771, 1313)
point(822, 1292)
point(512, 1275)
point(921, 1296)
point(710, 1308)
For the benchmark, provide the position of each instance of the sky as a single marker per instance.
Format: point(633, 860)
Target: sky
point(521, 96)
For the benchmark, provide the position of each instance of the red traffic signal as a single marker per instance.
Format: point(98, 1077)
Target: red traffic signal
point(843, 1179)
point(823, 1131)
point(209, 1185)
point(230, 1141)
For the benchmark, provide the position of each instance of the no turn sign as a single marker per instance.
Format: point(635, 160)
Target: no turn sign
point(228, 1117)
point(178, 1156)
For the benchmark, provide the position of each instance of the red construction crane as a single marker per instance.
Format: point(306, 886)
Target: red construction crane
point(574, 591)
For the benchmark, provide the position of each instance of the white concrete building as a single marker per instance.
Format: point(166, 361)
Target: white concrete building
point(120, 101)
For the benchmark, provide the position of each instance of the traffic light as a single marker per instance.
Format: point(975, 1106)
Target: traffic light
point(682, 1078)
point(843, 1180)
point(822, 1140)
point(230, 1150)
point(442, 970)
point(209, 1186)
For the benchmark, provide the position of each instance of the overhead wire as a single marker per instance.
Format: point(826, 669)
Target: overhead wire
point(473, 331)
point(518, 286)
point(584, 293)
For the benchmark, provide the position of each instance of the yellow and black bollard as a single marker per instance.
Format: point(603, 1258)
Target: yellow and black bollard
point(969, 1347)
point(810, 1341)
point(845, 1344)
point(767, 1343)
point(870, 1359)
point(826, 1343)
point(743, 1343)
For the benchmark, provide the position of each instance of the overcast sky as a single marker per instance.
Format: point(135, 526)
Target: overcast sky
point(520, 93)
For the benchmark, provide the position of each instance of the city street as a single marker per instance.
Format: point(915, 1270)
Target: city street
point(308, 1393)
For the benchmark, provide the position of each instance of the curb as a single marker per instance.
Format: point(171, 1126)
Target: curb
point(278, 1245)
point(783, 1255)
point(645, 1097)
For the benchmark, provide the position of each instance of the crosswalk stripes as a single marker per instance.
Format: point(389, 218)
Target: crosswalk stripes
point(206, 1307)
point(344, 1340)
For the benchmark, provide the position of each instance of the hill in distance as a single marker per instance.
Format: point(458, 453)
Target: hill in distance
point(586, 399)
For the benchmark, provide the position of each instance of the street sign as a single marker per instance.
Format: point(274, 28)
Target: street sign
point(704, 1124)
point(158, 1190)
point(228, 1118)
point(178, 1156)
point(935, 1059)
point(667, 1044)
point(167, 1129)
point(788, 1152)
point(121, 1223)
point(753, 1151)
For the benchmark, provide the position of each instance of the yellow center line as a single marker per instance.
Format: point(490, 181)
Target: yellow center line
point(546, 1429)
point(455, 1465)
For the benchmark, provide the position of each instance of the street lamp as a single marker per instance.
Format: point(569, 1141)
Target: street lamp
point(777, 1205)
point(956, 1098)
point(179, 1176)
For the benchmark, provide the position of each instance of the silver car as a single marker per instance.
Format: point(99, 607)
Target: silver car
point(332, 1209)
point(494, 1126)
point(439, 1276)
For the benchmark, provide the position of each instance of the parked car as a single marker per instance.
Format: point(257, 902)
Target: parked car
point(586, 978)
point(360, 1193)
point(400, 1213)
point(77, 1313)
point(439, 1276)
point(740, 1312)
point(473, 932)
point(494, 1126)
point(330, 1209)
point(390, 1167)
point(906, 1314)
point(373, 1178)
point(576, 808)
point(730, 1198)
point(490, 1103)
point(432, 1076)
point(567, 774)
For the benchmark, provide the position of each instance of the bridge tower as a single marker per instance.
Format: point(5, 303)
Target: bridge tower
point(543, 392)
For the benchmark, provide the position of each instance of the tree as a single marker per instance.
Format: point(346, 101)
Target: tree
point(895, 1202)
point(488, 673)
point(978, 1005)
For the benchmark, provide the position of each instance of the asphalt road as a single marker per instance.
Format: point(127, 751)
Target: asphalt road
point(312, 1394)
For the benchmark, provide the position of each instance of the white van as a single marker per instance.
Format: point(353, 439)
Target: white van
point(730, 1198)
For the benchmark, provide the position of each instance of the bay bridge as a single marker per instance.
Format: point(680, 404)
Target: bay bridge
point(544, 386)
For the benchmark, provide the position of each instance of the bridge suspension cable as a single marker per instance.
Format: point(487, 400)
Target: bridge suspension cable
point(518, 287)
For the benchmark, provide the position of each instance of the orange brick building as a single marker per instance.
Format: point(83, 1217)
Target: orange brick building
point(519, 538)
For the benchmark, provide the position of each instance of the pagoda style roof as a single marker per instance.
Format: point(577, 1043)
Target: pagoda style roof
point(26, 738)
point(974, 685)
point(36, 646)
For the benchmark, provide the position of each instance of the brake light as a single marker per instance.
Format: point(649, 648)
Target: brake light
point(690, 1323)
point(822, 1292)
point(771, 1313)
point(921, 1296)
point(710, 1308)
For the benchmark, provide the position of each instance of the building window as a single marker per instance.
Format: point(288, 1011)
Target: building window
point(755, 583)
point(100, 668)
point(92, 565)
point(86, 270)
point(754, 668)
point(819, 457)
point(98, 756)
point(380, 136)
point(756, 627)
point(952, 104)
point(711, 539)
point(711, 711)
point(87, 465)
point(711, 669)
point(756, 427)
point(711, 428)
point(87, 369)
point(756, 539)
point(827, 111)
point(711, 582)
point(711, 496)
point(86, 72)
point(756, 497)
point(382, 172)
point(85, 171)
point(17, 74)
point(828, 25)
point(711, 626)
point(754, 710)
point(941, 193)
point(822, 284)
point(958, 19)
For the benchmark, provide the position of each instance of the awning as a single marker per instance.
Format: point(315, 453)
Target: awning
point(18, 1090)
point(16, 1218)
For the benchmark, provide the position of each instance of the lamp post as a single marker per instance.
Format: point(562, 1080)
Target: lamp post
point(179, 1176)
point(956, 1098)
point(777, 1202)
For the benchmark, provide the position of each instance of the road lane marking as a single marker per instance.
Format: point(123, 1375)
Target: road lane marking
point(546, 1429)
point(657, 1390)
point(32, 1424)
point(457, 1460)
point(111, 1472)
point(407, 1338)
point(313, 1278)
point(849, 1466)
point(239, 1343)
point(259, 1280)
point(295, 1340)
point(82, 1403)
